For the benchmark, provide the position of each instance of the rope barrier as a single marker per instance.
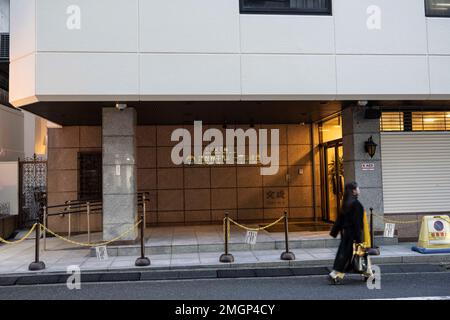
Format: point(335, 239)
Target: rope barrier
point(99, 244)
point(255, 229)
point(228, 220)
point(20, 240)
point(386, 220)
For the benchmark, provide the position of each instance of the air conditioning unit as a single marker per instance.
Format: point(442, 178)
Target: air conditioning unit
point(4, 46)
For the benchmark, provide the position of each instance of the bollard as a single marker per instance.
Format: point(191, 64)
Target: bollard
point(373, 251)
point(142, 261)
point(37, 265)
point(226, 257)
point(287, 255)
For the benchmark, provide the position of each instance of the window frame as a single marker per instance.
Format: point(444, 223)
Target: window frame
point(243, 10)
point(82, 194)
point(428, 14)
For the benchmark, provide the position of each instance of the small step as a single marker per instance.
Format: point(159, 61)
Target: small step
point(134, 250)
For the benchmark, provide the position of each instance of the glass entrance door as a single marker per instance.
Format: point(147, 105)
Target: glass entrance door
point(334, 178)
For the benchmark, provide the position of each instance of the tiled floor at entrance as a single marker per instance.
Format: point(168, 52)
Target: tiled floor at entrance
point(213, 234)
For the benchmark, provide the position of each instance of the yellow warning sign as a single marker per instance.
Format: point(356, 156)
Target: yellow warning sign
point(434, 233)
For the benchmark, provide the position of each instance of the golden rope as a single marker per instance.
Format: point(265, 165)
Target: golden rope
point(255, 229)
point(20, 240)
point(397, 221)
point(92, 244)
point(406, 221)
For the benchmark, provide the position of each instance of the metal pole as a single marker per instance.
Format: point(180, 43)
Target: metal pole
point(373, 251)
point(144, 210)
point(36, 264)
point(142, 238)
point(287, 255)
point(70, 222)
point(45, 227)
point(88, 214)
point(142, 261)
point(313, 173)
point(372, 245)
point(226, 257)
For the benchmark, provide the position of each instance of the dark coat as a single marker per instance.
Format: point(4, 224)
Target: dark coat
point(349, 224)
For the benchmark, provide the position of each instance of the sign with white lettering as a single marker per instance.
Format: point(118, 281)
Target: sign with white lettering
point(389, 230)
point(251, 236)
point(368, 166)
point(102, 253)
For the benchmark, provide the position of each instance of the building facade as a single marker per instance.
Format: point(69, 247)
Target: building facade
point(319, 71)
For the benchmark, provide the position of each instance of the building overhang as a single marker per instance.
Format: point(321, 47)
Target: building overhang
point(184, 112)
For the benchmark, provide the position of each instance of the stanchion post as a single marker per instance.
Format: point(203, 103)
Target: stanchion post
point(44, 220)
point(142, 261)
point(226, 257)
point(144, 209)
point(372, 244)
point(373, 251)
point(88, 216)
point(287, 255)
point(37, 265)
point(70, 220)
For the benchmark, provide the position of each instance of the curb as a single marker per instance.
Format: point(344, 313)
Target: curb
point(202, 273)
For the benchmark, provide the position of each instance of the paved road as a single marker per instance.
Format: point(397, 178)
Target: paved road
point(310, 287)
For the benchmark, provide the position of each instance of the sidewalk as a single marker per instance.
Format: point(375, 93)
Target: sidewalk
point(15, 261)
point(197, 247)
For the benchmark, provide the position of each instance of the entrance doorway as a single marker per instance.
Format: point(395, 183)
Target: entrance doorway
point(334, 178)
point(332, 167)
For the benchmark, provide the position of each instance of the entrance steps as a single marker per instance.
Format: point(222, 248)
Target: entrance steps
point(236, 245)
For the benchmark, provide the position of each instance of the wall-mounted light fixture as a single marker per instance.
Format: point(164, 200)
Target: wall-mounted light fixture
point(121, 106)
point(371, 147)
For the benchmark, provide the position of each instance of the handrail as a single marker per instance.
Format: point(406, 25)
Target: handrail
point(73, 204)
point(98, 210)
point(72, 207)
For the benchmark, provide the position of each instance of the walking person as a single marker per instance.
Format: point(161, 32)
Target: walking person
point(349, 225)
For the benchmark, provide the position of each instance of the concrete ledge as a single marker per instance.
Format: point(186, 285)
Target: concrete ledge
point(134, 250)
point(211, 273)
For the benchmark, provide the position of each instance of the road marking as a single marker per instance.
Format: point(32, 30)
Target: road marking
point(417, 298)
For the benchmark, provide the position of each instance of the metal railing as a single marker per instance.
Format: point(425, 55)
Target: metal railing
point(77, 207)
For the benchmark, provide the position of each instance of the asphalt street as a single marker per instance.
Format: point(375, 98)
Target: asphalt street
point(399, 285)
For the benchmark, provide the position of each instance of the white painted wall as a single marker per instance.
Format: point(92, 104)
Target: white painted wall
point(9, 187)
point(4, 16)
point(206, 50)
point(11, 134)
point(22, 134)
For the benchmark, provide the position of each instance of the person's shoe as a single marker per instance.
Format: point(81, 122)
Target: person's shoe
point(336, 277)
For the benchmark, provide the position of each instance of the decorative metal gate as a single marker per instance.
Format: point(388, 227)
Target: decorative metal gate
point(32, 184)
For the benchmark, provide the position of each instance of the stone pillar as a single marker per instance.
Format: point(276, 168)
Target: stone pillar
point(119, 173)
point(356, 131)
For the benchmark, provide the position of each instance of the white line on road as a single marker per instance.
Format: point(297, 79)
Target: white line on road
point(417, 298)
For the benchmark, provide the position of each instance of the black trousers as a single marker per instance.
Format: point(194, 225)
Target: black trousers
point(342, 262)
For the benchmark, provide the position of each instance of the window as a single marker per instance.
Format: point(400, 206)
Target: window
point(331, 130)
point(415, 121)
point(90, 176)
point(4, 47)
point(313, 7)
point(437, 8)
point(392, 121)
